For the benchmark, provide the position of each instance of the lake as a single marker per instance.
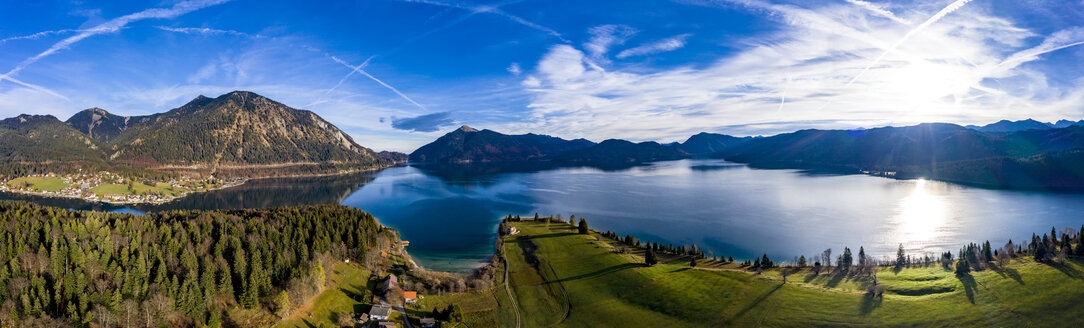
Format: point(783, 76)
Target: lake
point(450, 216)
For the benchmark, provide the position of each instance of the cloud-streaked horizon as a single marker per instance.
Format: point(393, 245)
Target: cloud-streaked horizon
point(396, 74)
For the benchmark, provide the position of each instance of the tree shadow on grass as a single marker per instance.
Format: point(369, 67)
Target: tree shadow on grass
point(679, 270)
point(869, 303)
point(552, 235)
point(1068, 270)
point(756, 302)
point(1008, 272)
point(836, 279)
point(969, 286)
point(599, 272)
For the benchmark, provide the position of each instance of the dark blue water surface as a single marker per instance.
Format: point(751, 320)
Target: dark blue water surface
point(450, 215)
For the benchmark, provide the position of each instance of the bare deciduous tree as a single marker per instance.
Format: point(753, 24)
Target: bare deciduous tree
point(826, 257)
point(130, 309)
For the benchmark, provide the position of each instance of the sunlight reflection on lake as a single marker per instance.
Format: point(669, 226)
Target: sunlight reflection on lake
point(921, 217)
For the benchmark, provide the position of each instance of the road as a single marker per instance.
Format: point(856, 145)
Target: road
point(508, 288)
point(402, 307)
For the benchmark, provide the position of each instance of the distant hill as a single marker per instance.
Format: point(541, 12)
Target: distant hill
point(1023, 125)
point(934, 150)
point(393, 156)
point(1067, 123)
point(237, 128)
point(44, 138)
point(615, 152)
point(467, 145)
point(102, 125)
point(1012, 126)
point(704, 143)
point(241, 131)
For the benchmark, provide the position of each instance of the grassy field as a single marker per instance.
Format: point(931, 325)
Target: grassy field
point(138, 189)
point(40, 183)
point(561, 278)
point(348, 290)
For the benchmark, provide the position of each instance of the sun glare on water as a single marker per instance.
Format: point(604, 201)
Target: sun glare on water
point(921, 216)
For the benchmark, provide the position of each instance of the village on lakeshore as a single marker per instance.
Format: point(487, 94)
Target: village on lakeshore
point(112, 188)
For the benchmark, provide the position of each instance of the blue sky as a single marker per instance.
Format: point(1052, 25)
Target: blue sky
point(397, 74)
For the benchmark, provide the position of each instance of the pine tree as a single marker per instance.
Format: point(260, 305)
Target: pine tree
point(987, 251)
point(583, 227)
point(901, 259)
point(1040, 251)
point(846, 260)
point(650, 258)
point(962, 267)
point(861, 258)
point(249, 296)
point(1080, 242)
point(692, 263)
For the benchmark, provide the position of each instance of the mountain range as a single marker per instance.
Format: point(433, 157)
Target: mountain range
point(1022, 125)
point(467, 145)
point(244, 134)
point(240, 131)
point(1035, 158)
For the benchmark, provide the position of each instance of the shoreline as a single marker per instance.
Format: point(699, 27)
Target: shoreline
point(227, 186)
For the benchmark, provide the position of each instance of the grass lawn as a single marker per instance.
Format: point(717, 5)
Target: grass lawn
point(40, 183)
point(139, 189)
point(561, 278)
point(110, 189)
point(348, 290)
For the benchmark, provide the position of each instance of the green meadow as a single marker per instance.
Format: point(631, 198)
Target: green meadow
point(561, 278)
point(136, 189)
point(39, 183)
point(348, 290)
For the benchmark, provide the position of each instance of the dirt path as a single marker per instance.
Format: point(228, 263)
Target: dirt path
point(508, 288)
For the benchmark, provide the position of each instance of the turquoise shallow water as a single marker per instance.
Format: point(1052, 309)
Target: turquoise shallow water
point(451, 215)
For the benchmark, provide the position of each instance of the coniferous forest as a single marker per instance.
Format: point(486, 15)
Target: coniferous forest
point(181, 268)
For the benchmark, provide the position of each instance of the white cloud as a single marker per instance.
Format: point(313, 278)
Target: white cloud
point(532, 82)
point(514, 69)
point(562, 63)
point(206, 72)
point(605, 36)
point(664, 45)
point(967, 68)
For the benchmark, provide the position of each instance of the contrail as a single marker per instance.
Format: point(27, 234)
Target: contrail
point(112, 26)
point(404, 43)
point(933, 19)
point(348, 75)
point(208, 31)
point(783, 95)
point(361, 71)
point(496, 11)
point(1059, 40)
point(879, 11)
point(40, 35)
point(34, 87)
